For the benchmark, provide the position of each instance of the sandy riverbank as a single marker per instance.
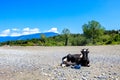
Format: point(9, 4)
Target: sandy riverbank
point(42, 63)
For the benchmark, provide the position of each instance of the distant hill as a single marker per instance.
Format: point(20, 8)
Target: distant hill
point(25, 37)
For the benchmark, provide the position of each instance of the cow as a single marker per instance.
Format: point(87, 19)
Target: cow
point(85, 60)
point(71, 59)
point(76, 59)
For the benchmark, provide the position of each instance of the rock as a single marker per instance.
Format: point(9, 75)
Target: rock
point(84, 78)
point(114, 73)
point(95, 76)
point(109, 73)
point(116, 79)
point(102, 77)
point(89, 73)
point(85, 75)
point(2, 72)
point(52, 78)
point(64, 79)
point(49, 75)
point(45, 74)
point(103, 74)
point(111, 66)
point(21, 72)
point(111, 77)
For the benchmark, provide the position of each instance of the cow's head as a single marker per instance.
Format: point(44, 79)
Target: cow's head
point(85, 53)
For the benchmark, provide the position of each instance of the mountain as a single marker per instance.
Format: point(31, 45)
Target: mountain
point(25, 37)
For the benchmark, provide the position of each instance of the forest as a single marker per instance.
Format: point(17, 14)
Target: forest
point(93, 34)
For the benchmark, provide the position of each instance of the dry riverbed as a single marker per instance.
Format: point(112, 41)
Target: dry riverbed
point(42, 63)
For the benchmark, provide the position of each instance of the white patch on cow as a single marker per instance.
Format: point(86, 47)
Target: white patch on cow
point(65, 59)
point(63, 65)
point(81, 56)
point(84, 49)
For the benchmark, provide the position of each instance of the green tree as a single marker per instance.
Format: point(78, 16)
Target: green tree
point(43, 38)
point(66, 34)
point(93, 31)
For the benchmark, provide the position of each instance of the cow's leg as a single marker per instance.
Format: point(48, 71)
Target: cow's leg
point(87, 63)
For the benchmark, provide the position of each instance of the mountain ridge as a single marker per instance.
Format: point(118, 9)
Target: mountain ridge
point(25, 37)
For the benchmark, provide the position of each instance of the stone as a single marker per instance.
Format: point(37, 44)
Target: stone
point(103, 74)
point(95, 76)
point(84, 78)
point(114, 73)
point(116, 79)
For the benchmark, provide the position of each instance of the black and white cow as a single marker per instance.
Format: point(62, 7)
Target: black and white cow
point(76, 59)
point(85, 60)
point(71, 59)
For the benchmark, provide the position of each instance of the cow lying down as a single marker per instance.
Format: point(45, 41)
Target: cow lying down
point(76, 59)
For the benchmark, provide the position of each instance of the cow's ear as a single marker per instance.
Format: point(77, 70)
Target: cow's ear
point(82, 50)
point(69, 56)
point(87, 51)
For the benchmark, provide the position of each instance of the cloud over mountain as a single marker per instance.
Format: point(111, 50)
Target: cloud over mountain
point(5, 32)
point(24, 31)
point(53, 30)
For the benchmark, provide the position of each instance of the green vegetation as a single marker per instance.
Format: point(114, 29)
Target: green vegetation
point(93, 34)
point(66, 35)
point(93, 31)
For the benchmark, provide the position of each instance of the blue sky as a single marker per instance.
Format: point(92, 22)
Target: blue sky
point(20, 17)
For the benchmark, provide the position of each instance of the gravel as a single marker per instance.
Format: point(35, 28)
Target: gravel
point(43, 63)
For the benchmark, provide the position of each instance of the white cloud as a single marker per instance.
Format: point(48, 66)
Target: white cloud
point(53, 30)
point(15, 29)
point(27, 30)
point(5, 32)
point(15, 34)
point(18, 32)
point(24, 31)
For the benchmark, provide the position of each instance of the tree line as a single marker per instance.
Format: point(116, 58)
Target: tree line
point(93, 34)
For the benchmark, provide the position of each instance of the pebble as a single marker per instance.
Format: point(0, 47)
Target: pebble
point(111, 77)
point(102, 77)
point(84, 78)
point(116, 79)
point(114, 73)
point(2, 72)
point(45, 74)
point(111, 66)
point(103, 74)
point(95, 76)
point(84, 75)
point(110, 74)
point(21, 72)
